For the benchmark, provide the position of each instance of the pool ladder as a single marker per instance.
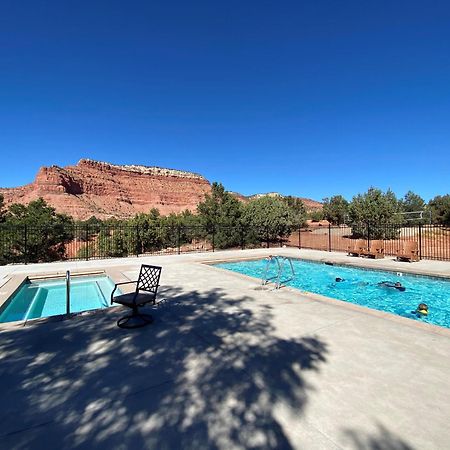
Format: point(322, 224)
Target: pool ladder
point(281, 262)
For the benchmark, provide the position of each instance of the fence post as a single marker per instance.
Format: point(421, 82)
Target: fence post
point(299, 237)
point(420, 240)
point(242, 237)
point(25, 243)
point(213, 237)
point(329, 237)
point(368, 235)
point(87, 242)
point(178, 239)
point(267, 237)
point(137, 241)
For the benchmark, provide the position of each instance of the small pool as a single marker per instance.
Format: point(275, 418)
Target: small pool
point(44, 298)
point(360, 286)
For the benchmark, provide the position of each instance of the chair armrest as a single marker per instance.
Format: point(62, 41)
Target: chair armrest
point(125, 282)
point(119, 284)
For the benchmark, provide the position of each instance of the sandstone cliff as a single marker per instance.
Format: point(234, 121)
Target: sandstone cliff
point(104, 190)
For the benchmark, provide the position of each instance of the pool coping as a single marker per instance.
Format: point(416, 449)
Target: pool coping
point(117, 274)
point(406, 270)
point(63, 275)
point(432, 328)
point(16, 281)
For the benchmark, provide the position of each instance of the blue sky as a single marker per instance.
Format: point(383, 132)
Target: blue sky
point(308, 98)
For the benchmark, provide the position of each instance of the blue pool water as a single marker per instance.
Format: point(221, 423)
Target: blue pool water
point(360, 286)
point(48, 298)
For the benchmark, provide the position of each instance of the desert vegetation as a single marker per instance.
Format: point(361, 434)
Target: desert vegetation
point(36, 232)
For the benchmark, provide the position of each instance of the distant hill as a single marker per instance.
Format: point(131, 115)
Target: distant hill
point(310, 205)
point(94, 188)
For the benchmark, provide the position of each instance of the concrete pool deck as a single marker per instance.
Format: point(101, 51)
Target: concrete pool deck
point(226, 365)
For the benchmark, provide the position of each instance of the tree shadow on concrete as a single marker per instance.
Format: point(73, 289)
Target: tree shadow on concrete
point(383, 439)
point(209, 373)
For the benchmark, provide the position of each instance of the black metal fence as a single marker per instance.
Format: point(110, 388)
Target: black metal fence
point(433, 241)
point(26, 244)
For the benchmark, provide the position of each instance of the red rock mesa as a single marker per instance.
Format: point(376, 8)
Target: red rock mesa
point(93, 188)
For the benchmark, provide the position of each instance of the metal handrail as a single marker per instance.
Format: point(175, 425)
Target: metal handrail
point(265, 279)
point(277, 258)
point(68, 292)
point(281, 266)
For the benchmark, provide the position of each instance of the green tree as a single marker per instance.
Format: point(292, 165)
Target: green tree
point(190, 227)
point(180, 229)
point(94, 225)
point(150, 237)
point(316, 215)
point(188, 219)
point(268, 218)
point(440, 209)
point(376, 211)
point(87, 231)
point(115, 242)
point(220, 214)
point(335, 209)
point(170, 230)
point(297, 209)
point(412, 202)
point(41, 234)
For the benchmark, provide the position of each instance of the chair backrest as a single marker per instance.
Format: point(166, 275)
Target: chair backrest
point(361, 244)
point(376, 245)
point(410, 247)
point(149, 278)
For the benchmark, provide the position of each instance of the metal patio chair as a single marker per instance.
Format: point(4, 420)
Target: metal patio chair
point(146, 291)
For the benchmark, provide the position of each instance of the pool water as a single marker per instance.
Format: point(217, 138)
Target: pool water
point(360, 286)
point(48, 298)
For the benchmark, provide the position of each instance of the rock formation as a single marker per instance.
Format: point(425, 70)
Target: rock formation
point(92, 188)
point(104, 190)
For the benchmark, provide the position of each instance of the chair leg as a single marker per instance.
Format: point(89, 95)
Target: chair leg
point(135, 319)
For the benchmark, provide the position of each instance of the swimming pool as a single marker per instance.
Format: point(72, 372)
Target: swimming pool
point(361, 286)
point(44, 298)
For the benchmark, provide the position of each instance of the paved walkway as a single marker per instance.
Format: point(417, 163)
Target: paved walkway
point(226, 365)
